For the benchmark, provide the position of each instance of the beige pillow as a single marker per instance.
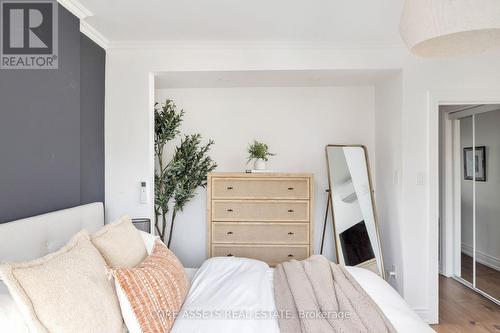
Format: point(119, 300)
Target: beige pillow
point(65, 291)
point(120, 243)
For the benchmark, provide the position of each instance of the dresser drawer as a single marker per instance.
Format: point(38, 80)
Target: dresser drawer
point(250, 188)
point(246, 210)
point(272, 254)
point(277, 233)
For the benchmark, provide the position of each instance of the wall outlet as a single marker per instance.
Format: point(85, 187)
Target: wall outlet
point(392, 274)
point(421, 178)
point(144, 193)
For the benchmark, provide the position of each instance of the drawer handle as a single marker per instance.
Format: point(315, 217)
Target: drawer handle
point(230, 210)
point(229, 187)
point(290, 256)
point(229, 255)
point(290, 233)
point(290, 210)
point(229, 232)
point(290, 189)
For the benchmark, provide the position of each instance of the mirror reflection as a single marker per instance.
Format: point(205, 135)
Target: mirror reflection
point(355, 226)
point(466, 209)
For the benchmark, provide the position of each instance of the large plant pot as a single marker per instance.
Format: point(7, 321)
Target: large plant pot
point(259, 164)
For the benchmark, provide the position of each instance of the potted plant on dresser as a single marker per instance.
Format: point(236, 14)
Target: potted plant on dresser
point(259, 153)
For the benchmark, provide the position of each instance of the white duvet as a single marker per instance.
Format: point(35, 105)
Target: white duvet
point(227, 295)
point(236, 295)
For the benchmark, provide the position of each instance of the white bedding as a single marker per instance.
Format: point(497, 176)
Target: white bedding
point(244, 288)
point(223, 290)
point(236, 295)
point(10, 317)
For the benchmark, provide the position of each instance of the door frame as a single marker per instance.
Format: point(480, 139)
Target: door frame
point(450, 189)
point(435, 99)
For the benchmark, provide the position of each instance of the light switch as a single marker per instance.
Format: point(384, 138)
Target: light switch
point(421, 178)
point(396, 177)
point(144, 193)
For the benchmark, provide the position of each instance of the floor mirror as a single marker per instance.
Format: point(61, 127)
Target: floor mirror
point(355, 227)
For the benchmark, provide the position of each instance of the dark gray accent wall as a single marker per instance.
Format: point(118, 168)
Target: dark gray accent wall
point(92, 76)
point(43, 130)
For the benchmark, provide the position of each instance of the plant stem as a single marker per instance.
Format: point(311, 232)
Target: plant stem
point(160, 159)
point(161, 233)
point(171, 227)
point(156, 224)
point(163, 225)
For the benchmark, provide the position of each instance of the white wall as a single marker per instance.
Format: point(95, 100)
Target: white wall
point(421, 80)
point(129, 152)
point(296, 122)
point(487, 193)
point(388, 105)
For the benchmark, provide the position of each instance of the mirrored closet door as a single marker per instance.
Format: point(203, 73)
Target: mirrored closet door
point(477, 261)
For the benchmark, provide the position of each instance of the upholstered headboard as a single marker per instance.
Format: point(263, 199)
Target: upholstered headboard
point(37, 236)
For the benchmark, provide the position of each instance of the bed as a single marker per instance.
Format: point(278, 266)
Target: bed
point(226, 295)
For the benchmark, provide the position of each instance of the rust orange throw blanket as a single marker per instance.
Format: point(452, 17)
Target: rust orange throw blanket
point(318, 296)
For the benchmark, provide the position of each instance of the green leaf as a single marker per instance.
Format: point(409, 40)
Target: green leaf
point(178, 180)
point(259, 150)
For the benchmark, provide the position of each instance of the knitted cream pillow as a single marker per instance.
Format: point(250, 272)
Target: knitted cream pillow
point(65, 291)
point(120, 243)
point(152, 293)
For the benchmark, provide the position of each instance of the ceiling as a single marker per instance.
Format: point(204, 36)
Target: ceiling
point(271, 78)
point(339, 22)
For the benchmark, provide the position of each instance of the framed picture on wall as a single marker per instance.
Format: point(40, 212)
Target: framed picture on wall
point(480, 163)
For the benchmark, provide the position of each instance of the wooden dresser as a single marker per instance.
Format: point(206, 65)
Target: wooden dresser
point(265, 216)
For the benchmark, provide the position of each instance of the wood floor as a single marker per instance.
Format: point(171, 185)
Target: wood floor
point(487, 279)
point(462, 310)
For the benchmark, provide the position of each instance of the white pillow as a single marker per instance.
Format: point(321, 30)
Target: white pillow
point(128, 315)
point(11, 319)
point(149, 240)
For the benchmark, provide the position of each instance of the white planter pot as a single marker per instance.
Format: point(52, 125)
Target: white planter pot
point(259, 164)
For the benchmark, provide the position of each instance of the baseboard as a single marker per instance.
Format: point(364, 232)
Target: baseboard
point(425, 315)
point(482, 257)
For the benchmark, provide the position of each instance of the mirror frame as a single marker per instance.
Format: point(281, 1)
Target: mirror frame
point(372, 196)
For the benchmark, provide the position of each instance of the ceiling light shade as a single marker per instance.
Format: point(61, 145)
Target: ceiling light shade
point(441, 28)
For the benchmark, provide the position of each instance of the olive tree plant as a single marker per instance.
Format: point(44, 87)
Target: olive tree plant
point(176, 181)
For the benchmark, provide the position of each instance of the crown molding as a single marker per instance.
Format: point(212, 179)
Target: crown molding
point(80, 11)
point(76, 8)
point(93, 34)
point(236, 45)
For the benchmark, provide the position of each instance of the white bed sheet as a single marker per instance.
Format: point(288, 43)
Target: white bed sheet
point(404, 319)
point(241, 285)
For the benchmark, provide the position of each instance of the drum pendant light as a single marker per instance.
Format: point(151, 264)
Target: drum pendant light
point(442, 28)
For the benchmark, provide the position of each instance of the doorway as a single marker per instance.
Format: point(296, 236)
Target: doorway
point(469, 205)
